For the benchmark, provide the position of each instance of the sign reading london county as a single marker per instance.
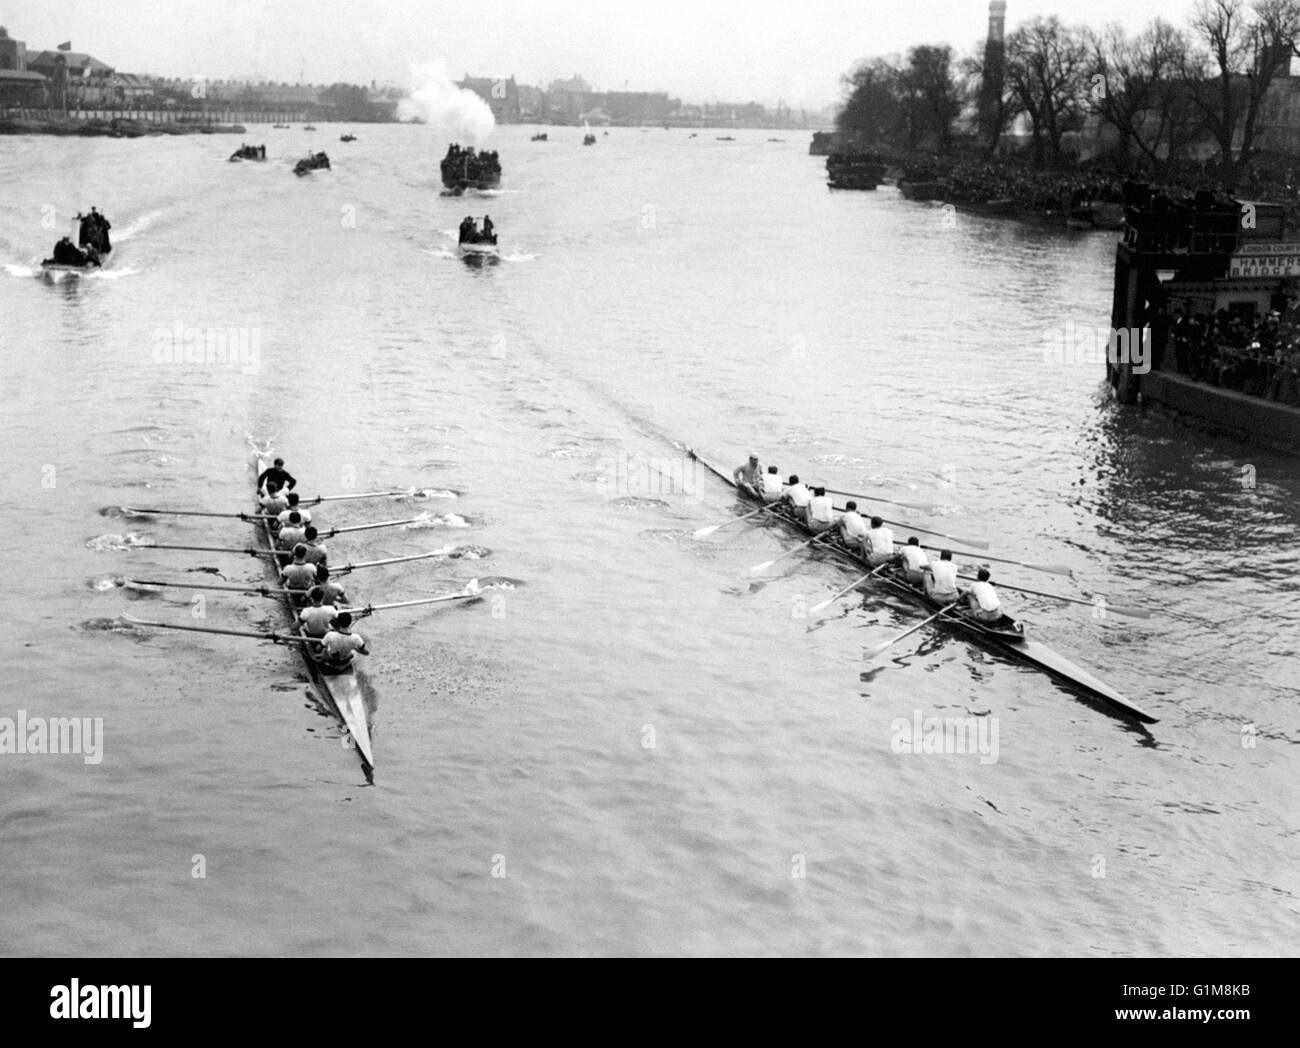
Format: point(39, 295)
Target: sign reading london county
point(1266, 260)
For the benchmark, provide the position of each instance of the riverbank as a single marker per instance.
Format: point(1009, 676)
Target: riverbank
point(115, 128)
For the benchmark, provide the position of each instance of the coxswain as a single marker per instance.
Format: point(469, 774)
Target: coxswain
point(749, 475)
point(983, 599)
point(292, 532)
point(299, 576)
point(879, 543)
point(333, 591)
point(941, 579)
point(796, 496)
point(293, 507)
point(853, 528)
point(316, 617)
point(276, 473)
point(274, 502)
point(771, 485)
point(821, 511)
point(316, 552)
point(913, 561)
point(340, 643)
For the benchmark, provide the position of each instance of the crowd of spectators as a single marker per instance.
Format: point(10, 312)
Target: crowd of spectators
point(1261, 359)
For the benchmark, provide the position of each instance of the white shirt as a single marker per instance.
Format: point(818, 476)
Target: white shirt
point(914, 557)
point(290, 537)
point(299, 576)
point(945, 576)
point(302, 513)
point(985, 595)
point(316, 552)
point(820, 508)
point(316, 620)
point(274, 504)
point(340, 646)
point(771, 486)
point(852, 525)
point(799, 495)
point(881, 539)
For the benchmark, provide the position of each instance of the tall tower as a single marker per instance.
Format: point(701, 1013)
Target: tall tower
point(990, 98)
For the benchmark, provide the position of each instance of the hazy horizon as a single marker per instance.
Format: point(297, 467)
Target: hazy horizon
point(730, 51)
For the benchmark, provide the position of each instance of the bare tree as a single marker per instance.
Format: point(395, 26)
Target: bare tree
point(1047, 67)
point(1140, 92)
point(1246, 47)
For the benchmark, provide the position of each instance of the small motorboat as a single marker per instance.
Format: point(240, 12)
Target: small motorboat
point(248, 153)
point(311, 162)
point(309, 127)
point(589, 140)
point(539, 137)
point(347, 138)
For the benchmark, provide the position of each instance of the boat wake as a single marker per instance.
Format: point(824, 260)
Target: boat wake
point(108, 543)
point(436, 520)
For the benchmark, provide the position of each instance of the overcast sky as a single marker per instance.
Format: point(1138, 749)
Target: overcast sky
point(699, 50)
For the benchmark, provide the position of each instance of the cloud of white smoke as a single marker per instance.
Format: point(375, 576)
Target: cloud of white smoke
point(436, 100)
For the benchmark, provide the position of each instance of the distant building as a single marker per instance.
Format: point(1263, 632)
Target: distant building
point(18, 84)
point(501, 95)
point(76, 78)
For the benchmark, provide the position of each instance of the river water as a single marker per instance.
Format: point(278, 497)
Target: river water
point(640, 748)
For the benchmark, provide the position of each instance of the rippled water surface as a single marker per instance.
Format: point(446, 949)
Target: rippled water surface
point(642, 749)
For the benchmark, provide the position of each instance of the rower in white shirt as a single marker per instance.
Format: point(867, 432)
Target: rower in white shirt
point(879, 543)
point(913, 561)
point(340, 643)
point(796, 496)
point(316, 551)
point(299, 576)
point(771, 487)
point(274, 502)
point(853, 528)
point(941, 579)
point(318, 615)
point(292, 532)
point(293, 507)
point(820, 514)
point(749, 475)
point(983, 599)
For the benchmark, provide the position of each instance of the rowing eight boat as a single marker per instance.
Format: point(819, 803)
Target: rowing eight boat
point(1007, 637)
point(341, 690)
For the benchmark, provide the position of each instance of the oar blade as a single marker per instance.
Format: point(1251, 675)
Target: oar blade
point(704, 533)
point(758, 569)
point(877, 650)
point(1128, 611)
point(1050, 569)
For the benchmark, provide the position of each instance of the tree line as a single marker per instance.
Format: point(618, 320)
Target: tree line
point(1162, 90)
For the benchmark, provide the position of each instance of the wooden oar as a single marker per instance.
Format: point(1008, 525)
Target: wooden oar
point(367, 527)
point(847, 589)
point(920, 507)
point(363, 495)
point(1127, 610)
point(877, 649)
point(471, 590)
point(264, 591)
point(1050, 569)
point(218, 549)
point(980, 543)
point(277, 638)
point(704, 533)
point(758, 569)
point(343, 569)
point(186, 513)
point(257, 516)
